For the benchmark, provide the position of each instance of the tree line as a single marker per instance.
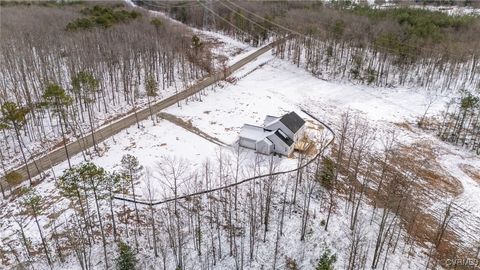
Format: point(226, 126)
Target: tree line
point(346, 41)
point(386, 178)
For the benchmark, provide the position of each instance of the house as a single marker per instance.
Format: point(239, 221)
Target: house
point(277, 135)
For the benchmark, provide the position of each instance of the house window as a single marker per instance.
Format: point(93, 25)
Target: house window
point(283, 134)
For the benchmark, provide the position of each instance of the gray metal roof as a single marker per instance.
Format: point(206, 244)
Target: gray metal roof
point(254, 133)
point(292, 121)
point(269, 119)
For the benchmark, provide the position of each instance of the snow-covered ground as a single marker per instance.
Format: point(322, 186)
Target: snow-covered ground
point(450, 10)
point(277, 87)
point(274, 87)
point(267, 86)
point(229, 47)
point(434, 6)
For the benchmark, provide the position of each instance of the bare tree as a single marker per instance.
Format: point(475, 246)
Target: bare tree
point(173, 172)
point(150, 195)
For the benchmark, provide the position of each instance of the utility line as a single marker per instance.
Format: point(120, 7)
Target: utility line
point(248, 19)
point(308, 37)
point(294, 32)
point(225, 20)
point(260, 17)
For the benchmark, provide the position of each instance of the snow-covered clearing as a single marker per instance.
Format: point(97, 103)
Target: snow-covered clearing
point(276, 87)
point(267, 86)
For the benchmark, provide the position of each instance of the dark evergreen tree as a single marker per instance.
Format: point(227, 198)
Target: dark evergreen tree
point(96, 178)
point(85, 86)
point(112, 185)
point(326, 261)
point(327, 173)
point(126, 258)
point(32, 203)
point(14, 117)
point(56, 99)
point(151, 87)
point(131, 171)
point(71, 186)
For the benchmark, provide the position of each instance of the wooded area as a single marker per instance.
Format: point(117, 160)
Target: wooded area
point(236, 224)
point(67, 77)
point(460, 123)
point(384, 47)
point(67, 69)
point(401, 46)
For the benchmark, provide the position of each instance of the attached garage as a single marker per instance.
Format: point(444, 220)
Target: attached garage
point(247, 143)
point(250, 135)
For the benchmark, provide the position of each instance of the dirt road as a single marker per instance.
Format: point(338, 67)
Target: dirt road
point(58, 155)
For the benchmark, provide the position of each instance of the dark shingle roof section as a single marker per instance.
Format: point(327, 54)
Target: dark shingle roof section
point(283, 137)
point(292, 121)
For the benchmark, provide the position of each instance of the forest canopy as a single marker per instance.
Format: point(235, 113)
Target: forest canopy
point(103, 16)
point(397, 30)
point(382, 46)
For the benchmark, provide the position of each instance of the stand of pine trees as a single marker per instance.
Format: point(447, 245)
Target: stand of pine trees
point(460, 123)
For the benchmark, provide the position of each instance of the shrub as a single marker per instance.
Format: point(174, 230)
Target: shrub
point(371, 75)
point(326, 173)
point(291, 264)
point(156, 22)
point(13, 178)
point(126, 258)
point(326, 261)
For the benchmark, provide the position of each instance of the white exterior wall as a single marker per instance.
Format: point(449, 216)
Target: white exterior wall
point(264, 146)
point(279, 146)
point(247, 143)
point(253, 138)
